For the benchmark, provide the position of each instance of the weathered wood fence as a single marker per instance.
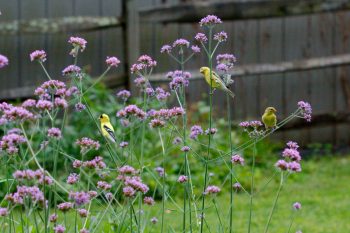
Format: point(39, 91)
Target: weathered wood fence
point(286, 50)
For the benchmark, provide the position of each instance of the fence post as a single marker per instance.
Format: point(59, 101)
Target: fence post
point(133, 40)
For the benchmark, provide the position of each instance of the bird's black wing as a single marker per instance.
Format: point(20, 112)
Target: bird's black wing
point(110, 132)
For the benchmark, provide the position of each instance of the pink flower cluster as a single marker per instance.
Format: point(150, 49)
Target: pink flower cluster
point(237, 160)
point(220, 36)
point(86, 144)
point(112, 61)
point(3, 212)
point(201, 37)
point(131, 182)
point(10, 142)
point(37, 175)
point(212, 189)
point(179, 79)
point(4, 61)
point(96, 163)
point(104, 185)
point(196, 130)
point(182, 179)
point(306, 110)
point(80, 198)
point(65, 206)
point(161, 94)
point(13, 113)
point(38, 55)
point(291, 160)
point(54, 133)
point(78, 44)
point(143, 62)
point(225, 62)
point(210, 20)
point(166, 113)
point(73, 178)
point(23, 192)
point(124, 95)
point(71, 70)
point(149, 201)
point(131, 110)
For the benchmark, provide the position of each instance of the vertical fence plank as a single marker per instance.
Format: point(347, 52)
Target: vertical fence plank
point(342, 78)
point(322, 81)
point(296, 84)
point(9, 76)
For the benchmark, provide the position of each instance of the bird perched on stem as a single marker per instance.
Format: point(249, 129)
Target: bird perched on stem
point(107, 128)
point(215, 81)
point(269, 118)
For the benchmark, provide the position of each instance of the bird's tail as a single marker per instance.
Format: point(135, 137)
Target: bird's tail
point(230, 93)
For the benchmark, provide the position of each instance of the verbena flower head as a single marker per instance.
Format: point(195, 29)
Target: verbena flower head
point(237, 160)
point(161, 94)
point(195, 49)
point(209, 21)
point(80, 198)
point(38, 55)
point(103, 185)
point(54, 133)
point(157, 123)
point(225, 62)
point(129, 191)
point(294, 167)
point(196, 130)
point(17, 114)
point(112, 61)
point(27, 192)
point(177, 140)
point(87, 144)
point(3, 212)
point(182, 179)
point(220, 36)
point(59, 229)
point(252, 128)
point(149, 201)
point(53, 218)
point(73, 178)
point(154, 220)
point(297, 206)
point(123, 144)
point(143, 62)
point(160, 171)
point(83, 213)
point(127, 170)
point(201, 37)
point(179, 78)
point(306, 110)
point(124, 95)
point(211, 131)
point(71, 70)
point(212, 189)
point(237, 186)
point(282, 165)
point(78, 44)
point(131, 110)
point(29, 103)
point(166, 49)
point(185, 148)
point(181, 42)
point(10, 143)
point(79, 107)
point(4, 61)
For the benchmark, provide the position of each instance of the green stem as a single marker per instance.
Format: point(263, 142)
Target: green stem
point(209, 135)
point(97, 80)
point(252, 189)
point(163, 180)
point(218, 214)
point(274, 203)
point(231, 167)
point(291, 222)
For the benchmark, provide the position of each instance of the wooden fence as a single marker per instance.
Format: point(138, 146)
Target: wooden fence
point(286, 50)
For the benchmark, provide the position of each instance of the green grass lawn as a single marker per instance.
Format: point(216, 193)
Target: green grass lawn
point(322, 188)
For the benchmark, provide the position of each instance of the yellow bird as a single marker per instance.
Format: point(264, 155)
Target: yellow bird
point(269, 118)
point(216, 81)
point(107, 128)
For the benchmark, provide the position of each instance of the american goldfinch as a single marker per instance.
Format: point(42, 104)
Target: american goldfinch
point(107, 128)
point(269, 118)
point(216, 80)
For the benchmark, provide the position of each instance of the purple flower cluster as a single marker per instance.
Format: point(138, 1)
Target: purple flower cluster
point(237, 160)
point(38, 55)
point(211, 131)
point(160, 171)
point(225, 62)
point(79, 107)
point(78, 44)
point(12, 113)
point(179, 79)
point(253, 124)
point(124, 95)
point(54, 133)
point(112, 61)
point(237, 186)
point(65, 206)
point(157, 123)
point(166, 49)
point(123, 144)
point(297, 206)
point(161, 94)
point(149, 201)
point(3, 212)
point(24, 192)
point(73, 178)
point(181, 42)
point(182, 179)
point(131, 182)
point(103, 185)
point(83, 213)
point(10, 142)
point(4, 61)
point(306, 110)
point(212, 189)
point(220, 36)
point(59, 229)
point(196, 130)
point(201, 37)
point(131, 110)
point(166, 114)
point(87, 144)
point(210, 20)
point(71, 70)
point(80, 198)
point(96, 163)
point(30, 175)
point(291, 160)
point(143, 62)
point(195, 49)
